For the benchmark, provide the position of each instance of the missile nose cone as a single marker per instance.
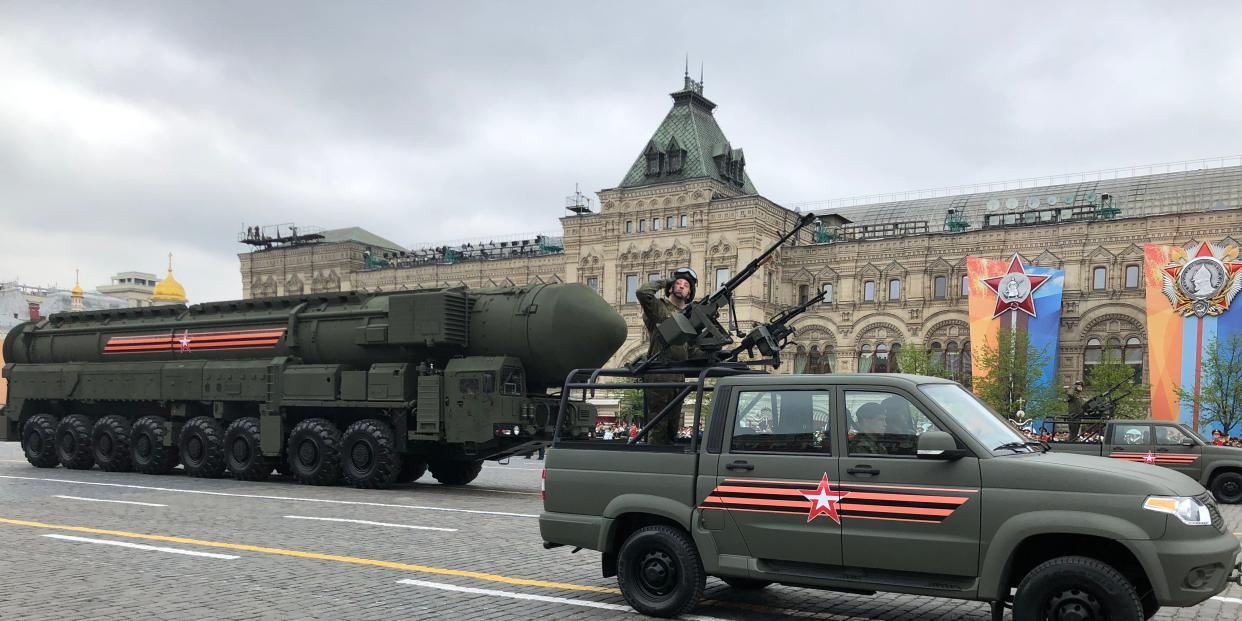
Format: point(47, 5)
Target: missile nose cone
point(589, 330)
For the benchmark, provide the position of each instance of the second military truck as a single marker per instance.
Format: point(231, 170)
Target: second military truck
point(369, 388)
point(881, 482)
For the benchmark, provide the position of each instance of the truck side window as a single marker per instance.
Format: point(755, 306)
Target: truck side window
point(783, 421)
point(1170, 436)
point(882, 423)
point(1133, 435)
point(468, 386)
point(513, 383)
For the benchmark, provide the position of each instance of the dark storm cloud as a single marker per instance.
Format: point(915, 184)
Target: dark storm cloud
point(129, 130)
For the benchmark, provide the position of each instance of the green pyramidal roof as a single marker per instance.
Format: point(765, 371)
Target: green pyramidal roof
point(689, 145)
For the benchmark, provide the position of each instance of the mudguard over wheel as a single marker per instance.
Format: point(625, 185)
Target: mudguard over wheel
point(110, 444)
point(201, 447)
point(146, 446)
point(369, 458)
point(1076, 587)
point(243, 457)
point(73, 442)
point(1227, 488)
point(411, 469)
point(449, 472)
point(39, 440)
point(660, 571)
point(315, 452)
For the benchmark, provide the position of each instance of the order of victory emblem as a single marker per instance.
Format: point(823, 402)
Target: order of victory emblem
point(1202, 285)
point(1013, 289)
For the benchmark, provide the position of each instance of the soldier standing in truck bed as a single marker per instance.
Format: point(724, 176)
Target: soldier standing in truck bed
point(678, 293)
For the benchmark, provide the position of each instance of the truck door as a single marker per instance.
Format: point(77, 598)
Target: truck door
point(899, 512)
point(1177, 450)
point(1131, 442)
point(777, 476)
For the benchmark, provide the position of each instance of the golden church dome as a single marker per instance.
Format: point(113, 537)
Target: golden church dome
point(76, 291)
point(168, 290)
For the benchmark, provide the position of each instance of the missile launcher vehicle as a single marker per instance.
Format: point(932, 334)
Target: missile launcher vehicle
point(371, 389)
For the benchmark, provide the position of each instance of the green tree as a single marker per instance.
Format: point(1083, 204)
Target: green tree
point(630, 406)
point(1220, 389)
point(1012, 377)
point(914, 358)
point(1111, 371)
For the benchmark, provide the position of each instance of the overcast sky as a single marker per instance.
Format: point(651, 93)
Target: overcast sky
point(130, 130)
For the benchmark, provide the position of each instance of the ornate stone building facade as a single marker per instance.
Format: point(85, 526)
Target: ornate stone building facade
point(894, 271)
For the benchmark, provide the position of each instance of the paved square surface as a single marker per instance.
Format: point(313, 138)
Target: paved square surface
point(95, 545)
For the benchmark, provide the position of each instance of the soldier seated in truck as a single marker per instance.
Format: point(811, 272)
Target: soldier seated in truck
point(872, 424)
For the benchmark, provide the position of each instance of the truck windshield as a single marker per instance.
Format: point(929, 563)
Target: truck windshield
point(971, 414)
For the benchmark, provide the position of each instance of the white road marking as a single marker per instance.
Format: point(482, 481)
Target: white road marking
point(370, 523)
point(536, 598)
point(289, 498)
point(139, 546)
point(123, 502)
point(1228, 600)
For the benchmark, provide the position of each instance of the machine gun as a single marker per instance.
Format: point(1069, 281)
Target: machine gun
point(771, 337)
point(1104, 405)
point(699, 324)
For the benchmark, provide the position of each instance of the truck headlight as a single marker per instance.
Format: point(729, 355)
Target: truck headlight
point(1189, 510)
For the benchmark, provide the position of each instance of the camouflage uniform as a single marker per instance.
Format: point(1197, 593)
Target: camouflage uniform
point(866, 444)
point(656, 309)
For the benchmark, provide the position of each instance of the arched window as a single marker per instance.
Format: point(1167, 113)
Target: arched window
point(965, 286)
point(869, 291)
point(1091, 356)
point(894, 289)
point(893, 367)
point(938, 286)
point(881, 358)
point(953, 360)
point(1134, 358)
point(827, 287)
point(967, 369)
point(828, 360)
point(1132, 277)
point(804, 293)
point(1099, 278)
point(865, 359)
point(801, 360)
point(1113, 354)
point(812, 363)
point(936, 354)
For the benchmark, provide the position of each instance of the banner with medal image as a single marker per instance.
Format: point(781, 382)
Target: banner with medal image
point(1189, 294)
point(1008, 294)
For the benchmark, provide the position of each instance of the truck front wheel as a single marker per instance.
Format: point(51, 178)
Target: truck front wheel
point(1076, 588)
point(1227, 488)
point(39, 441)
point(660, 571)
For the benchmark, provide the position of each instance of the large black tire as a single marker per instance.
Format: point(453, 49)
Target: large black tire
point(1077, 585)
point(201, 447)
point(73, 442)
point(660, 571)
point(746, 584)
point(315, 452)
point(1227, 488)
point(455, 472)
point(243, 455)
point(39, 440)
point(146, 446)
point(110, 444)
point(411, 469)
point(369, 454)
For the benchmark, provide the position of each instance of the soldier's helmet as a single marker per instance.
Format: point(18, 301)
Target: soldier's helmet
point(686, 274)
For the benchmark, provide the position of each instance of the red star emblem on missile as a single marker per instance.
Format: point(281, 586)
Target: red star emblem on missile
point(1149, 458)
point(1015, 289)
point(824, 501)
point(184, 341)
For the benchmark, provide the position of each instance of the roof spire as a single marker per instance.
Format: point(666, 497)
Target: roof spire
point(687, 64)
point(689, 83)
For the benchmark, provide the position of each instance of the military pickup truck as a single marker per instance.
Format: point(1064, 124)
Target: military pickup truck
point(866, 482)
point(1161, 442)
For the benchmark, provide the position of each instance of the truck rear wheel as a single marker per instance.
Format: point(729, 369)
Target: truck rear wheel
point(411, 469)
point(1227, 488)
point(1077, 588)
point(201, 447)
point(39, 441)
point(243, 457)
point(73, 442)
point(110, 444)
point(660, 571)
point(455, 472)
point(370, 456)
point(146, 446)
point(315, 452)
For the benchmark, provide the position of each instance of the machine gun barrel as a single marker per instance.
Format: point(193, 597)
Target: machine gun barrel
point(770, 337)
point(725, 292)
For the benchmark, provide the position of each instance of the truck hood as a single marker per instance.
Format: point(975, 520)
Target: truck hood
point(1223, 452)
point(1072, 472)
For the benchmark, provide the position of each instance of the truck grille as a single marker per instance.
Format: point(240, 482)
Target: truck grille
point(1217, 520)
